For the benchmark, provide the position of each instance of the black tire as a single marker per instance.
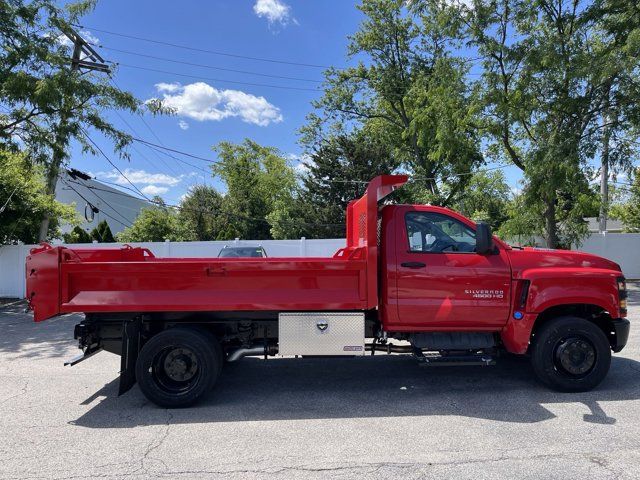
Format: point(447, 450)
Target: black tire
point(570, 354)
point(215, 344)
point(178, 366)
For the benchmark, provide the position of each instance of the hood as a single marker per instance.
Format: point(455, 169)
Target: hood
point(546, 258)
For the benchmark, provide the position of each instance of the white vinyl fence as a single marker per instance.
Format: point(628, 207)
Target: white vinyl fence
point(12, 257)
point(622, 248)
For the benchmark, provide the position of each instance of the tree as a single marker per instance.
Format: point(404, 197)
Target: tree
point(155, 224)
point(337, 171)
point(23, 202)
point(618, 27)
point(409, 91)
point(629, 210)
point(50, 100)
point(545, 74)
point(257, 180)
point(102, 233)
point(524, 216)
point(202, 212)
point(77, 235)
point(486, 198)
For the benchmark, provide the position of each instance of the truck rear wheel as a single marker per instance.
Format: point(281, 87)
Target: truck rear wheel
point(570, 354)
point(178, 366)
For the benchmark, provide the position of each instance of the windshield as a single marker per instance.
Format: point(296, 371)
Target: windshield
point(239, 252)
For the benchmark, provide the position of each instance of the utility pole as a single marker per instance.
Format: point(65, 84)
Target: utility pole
point(85, 59)
point(604, 161)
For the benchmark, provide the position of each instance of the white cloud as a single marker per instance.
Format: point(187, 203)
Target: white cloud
point(461, 3)
point(154, 190)
point(167, 87)
point(275, 11)
point(139, 177)
point(183, 125)
point(200, 101)
point(300, 163)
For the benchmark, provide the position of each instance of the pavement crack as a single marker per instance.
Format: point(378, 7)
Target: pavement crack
point(155, 444)
point(23, 391)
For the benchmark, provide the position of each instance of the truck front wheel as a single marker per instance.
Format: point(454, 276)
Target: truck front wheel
point(570, 354)
point(178, 366)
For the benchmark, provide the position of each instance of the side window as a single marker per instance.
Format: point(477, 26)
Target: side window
point(437, 233)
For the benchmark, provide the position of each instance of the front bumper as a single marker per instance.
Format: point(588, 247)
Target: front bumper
point(621, 328)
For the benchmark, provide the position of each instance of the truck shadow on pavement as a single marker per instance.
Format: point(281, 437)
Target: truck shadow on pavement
point(23, 338)
point(294, 389)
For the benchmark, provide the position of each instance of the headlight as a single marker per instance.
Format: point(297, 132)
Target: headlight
point(622, 296)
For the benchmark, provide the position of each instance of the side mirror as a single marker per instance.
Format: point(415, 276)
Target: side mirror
point(484, 239)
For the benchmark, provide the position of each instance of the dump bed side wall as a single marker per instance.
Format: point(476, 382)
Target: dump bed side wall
point(213, 285)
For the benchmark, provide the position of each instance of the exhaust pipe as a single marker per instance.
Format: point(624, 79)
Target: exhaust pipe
point(252, 352)
point(387, 348)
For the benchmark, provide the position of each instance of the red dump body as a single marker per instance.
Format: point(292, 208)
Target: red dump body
point(63, 280)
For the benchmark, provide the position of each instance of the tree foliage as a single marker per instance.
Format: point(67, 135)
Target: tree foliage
point(102, 233)
point(549, 70)
point(202, 213)
point(23, 201)
point(336, 172)
point(486, 198)
point(407, 90)
point(39, 87)
point(77, 235)
point(629, 210)
point(258, 181)
point(156, 224)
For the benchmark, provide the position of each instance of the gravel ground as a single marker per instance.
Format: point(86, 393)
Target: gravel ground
point(374, 418)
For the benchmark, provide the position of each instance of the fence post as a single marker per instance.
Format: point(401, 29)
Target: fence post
point(167, 248)
point(303, 246)
point(22, 257)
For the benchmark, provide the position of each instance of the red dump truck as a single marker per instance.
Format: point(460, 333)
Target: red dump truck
point(414, 279)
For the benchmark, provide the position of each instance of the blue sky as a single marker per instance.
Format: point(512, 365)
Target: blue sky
point(213, 104)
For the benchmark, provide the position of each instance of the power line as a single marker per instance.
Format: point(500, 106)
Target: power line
point(413, 178)
point(212, 67)
point(464, 174)
point(138, 151)
point(9, 199)
point(156, 149)
point(202, 50)
point(209, 212)
point(114, 165)
point(116, 191)
point(191, 155)
point(222, 80)
point(125, 223)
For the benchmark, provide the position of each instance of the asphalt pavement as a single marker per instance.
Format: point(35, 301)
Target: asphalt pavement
point(374, 417)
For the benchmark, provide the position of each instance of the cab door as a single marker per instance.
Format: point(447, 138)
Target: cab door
point(441, 282)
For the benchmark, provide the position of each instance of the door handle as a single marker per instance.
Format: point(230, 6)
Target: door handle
point(413, 264)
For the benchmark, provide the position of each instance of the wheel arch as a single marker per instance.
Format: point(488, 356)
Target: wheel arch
point(518, 333)
point(591, 312)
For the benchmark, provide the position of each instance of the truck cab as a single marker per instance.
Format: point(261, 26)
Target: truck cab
point(412, 279)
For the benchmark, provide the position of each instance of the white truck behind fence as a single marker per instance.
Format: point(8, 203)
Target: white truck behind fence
point(622, 248)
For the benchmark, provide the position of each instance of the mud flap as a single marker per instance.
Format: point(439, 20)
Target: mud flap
point(129, 356)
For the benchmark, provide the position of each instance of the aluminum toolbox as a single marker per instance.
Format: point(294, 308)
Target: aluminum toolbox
point(322, 334)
